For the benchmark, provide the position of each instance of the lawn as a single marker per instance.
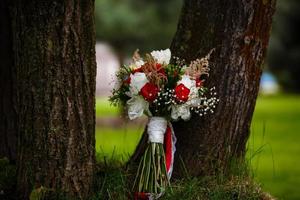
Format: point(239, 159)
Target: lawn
point(275, 137)
point(273, 148)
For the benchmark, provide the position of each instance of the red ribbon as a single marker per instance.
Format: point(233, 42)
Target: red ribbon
point(141, 196)
point(168, 147)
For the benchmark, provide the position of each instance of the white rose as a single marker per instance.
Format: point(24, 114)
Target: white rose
point(138, 80)
point(136, 107)
point(162, 56)
point(182, 111)
point(187, 81)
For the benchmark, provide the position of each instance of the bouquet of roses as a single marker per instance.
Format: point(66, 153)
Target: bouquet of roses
point(164, 92)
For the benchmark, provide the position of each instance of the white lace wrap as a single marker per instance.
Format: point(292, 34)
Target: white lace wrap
point(156, 129)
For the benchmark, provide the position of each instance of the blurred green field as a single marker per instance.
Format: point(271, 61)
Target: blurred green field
point(273, 148)
point(275, 138)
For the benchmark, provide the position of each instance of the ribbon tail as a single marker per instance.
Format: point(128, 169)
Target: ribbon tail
point(169, 144)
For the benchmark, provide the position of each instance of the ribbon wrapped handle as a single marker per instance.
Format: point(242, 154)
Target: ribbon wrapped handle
point(156, 129)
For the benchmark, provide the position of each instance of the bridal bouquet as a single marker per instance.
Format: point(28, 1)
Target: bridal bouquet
point(164, 92)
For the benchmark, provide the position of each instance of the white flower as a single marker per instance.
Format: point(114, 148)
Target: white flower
point(187, 81)
point(138, 80)
point(136, 64)
point(194, 92)
point(162, 56)
point(190, 84)
point(139, 63)
point(136, 107)
point(195, 102)
point(182, 111)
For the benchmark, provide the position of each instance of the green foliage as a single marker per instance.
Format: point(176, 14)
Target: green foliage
point(111, 183)
point(174, 72)
point(44, 193)
point(128, 24)
point(118, 97)
point(210, 188)
point(38, 193)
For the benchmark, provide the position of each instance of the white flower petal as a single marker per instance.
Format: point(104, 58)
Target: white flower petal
point(162, 56)
point(136, 107)
point(194, 102)
point(182, 111)
point(194, 93)
point(138, 80)
point(174, 112)
point(190, 84)
point(187, 81)
point(139, 63)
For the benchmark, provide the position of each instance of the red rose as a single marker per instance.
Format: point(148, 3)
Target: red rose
point(149, 91)
point(182, 92)
point(199, 83)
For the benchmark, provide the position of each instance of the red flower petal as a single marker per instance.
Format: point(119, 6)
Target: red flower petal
point(149, 91)
point(199, 83)
point(182, 93)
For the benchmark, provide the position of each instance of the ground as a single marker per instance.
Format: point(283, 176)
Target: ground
point(272, 149)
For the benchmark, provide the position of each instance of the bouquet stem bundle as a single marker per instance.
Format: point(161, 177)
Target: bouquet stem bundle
point(152, 175)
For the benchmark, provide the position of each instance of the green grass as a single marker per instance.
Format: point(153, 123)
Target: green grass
point(104, 108)
point(273, 143)
point(276, 132)
point(114, 184)
point(116, 144)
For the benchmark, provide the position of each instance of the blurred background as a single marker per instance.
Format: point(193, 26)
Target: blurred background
point(273, 149)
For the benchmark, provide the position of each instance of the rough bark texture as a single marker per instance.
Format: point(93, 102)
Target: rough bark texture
point(8, 117)
point(239, 31)
point(54, 44)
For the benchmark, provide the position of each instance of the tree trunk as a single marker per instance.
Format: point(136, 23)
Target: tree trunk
point(8, 117)
point(239, 32)
point(54, 44)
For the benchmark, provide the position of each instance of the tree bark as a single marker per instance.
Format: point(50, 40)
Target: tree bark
point(8, 117)
point(239, 32)
point(54, 44)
